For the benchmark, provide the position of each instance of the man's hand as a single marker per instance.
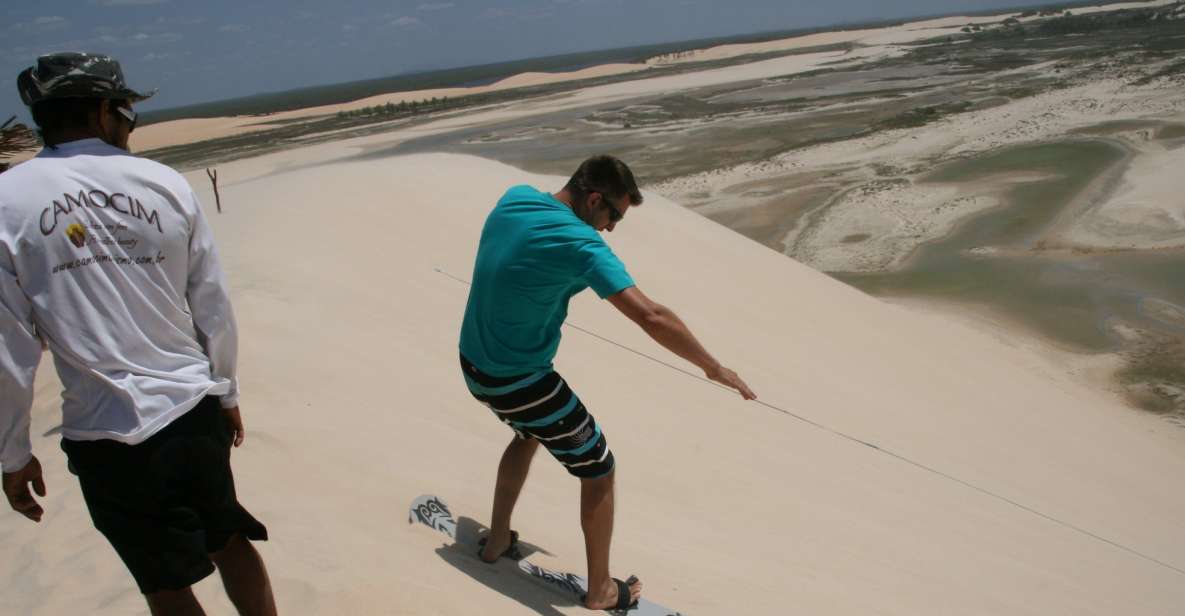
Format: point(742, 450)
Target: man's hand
point(16, 488)
point(662, 324)
point(727, 377)
point(234, 421)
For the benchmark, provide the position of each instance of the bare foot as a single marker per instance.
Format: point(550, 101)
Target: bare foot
point(605, 596)
point(496, 546)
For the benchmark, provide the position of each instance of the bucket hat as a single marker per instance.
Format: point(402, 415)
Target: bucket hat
point(75, 75)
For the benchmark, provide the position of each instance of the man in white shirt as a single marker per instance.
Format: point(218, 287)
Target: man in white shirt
point(107, 259)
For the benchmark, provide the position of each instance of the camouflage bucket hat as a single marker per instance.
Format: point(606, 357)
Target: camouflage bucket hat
point(75, 75)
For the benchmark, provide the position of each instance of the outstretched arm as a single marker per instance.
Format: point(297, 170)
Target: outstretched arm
point(667, 329)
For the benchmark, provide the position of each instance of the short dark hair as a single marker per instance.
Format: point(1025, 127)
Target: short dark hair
point(607, 175)
point(57, 115)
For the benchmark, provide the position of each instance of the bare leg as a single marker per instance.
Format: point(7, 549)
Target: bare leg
point(174, 603)
point(596, 518)
point(512, 474)
point(245, 578)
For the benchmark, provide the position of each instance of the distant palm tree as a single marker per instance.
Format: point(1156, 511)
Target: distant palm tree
point(15, 138)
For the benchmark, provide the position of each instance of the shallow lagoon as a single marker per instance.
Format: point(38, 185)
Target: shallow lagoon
point(1084, 301)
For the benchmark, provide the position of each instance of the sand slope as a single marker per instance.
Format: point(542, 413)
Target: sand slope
point(1000, 486)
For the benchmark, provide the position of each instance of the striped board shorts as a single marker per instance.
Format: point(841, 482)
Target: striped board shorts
point(540, 405)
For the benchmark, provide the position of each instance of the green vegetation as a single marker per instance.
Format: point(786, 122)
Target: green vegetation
point(804, 75)
point(1085, 24)
point(921, 116)
point(1021, 92)
point(1172, 70)
point(1155, 377)
point(404, 108)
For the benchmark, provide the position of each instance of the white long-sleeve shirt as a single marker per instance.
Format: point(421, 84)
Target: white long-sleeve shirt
point(108, 258)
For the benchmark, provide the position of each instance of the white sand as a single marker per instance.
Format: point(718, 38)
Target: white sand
point(1145, 212)
point(178, 132)
point(354, 406)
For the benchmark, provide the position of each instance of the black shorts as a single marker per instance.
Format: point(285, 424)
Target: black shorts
point(168, 502)
point(540, 405)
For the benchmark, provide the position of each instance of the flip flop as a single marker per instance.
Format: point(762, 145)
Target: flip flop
point(624, 602)
point(511, 552)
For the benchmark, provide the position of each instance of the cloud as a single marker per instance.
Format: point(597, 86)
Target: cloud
point(497, 13)
point(435, 6)
point(47, 23)
point(130, 36)
point(407, 22)
point(119, 41)
point(180, 21)
point(503, 12)
point(159, 38)
point(233, 28)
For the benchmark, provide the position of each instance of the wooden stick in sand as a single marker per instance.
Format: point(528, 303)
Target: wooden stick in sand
point(213, 173)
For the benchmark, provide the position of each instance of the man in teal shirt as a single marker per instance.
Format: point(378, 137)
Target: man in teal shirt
point(537, 250)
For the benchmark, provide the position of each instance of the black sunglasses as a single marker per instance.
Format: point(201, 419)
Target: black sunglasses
point(614, 213)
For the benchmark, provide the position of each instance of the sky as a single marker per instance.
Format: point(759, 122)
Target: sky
point(205, 50)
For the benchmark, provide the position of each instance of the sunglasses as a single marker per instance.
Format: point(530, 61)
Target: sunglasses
point(130, 115)
point(614, 214)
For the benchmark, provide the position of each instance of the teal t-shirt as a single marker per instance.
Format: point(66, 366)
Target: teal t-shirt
point(534, 255)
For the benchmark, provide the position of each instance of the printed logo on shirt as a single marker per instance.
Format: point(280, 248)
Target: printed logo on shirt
point(100, 238)
point(77, 235)
point(124, 204)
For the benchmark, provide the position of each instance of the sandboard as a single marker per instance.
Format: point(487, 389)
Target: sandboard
point(433, 512)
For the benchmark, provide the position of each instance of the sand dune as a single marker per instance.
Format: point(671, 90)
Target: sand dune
point(191, 130)
point(999, 486)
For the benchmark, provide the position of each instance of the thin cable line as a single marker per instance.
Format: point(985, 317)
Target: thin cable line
point(870, 445)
